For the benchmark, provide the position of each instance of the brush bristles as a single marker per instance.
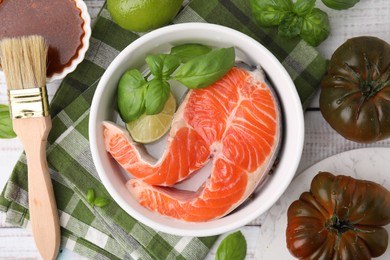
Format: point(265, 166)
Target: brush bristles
point(24, 61)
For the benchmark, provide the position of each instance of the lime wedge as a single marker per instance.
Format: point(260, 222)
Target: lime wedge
point(150, 128)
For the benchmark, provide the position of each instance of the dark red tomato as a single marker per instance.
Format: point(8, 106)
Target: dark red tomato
point(355, 93)
point(340, 218)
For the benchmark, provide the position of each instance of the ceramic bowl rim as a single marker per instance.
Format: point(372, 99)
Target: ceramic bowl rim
point(294, 134)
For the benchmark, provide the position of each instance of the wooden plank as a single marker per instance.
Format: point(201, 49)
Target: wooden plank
point(365, 18)
point(17, 243)
point(321, 141)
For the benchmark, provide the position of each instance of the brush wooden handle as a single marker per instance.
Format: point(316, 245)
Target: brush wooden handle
point(33, 134)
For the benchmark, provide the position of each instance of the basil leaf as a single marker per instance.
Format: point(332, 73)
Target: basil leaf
point(206, 69)
point(132, 79)
point(131, 91)
point(187, 52)
point(290, 26)
point(162, 65)
point(156, 96)
point(232, 247)
point(315, 27)
point(304, 7)
point(340, 4)
point(101, 202)
point(90, 196)
point(6, 130)
point(270, 12)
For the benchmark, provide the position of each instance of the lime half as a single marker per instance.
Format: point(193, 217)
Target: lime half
point(143, 15)
point(150, 128)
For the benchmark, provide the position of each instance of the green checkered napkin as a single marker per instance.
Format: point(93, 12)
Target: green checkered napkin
point(108, 232)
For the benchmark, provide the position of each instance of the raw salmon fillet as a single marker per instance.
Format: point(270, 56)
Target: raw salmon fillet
point(236, 122)
point(186, 152)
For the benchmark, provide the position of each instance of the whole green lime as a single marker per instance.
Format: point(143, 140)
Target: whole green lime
point(143, 15)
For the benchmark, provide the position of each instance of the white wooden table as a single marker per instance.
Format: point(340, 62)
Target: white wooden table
point(368, 17)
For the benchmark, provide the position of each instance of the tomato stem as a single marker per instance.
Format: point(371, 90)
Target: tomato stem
point(340, 226)
point(373, 82)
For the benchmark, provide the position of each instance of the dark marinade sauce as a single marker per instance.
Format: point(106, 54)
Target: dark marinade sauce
point(58, 21)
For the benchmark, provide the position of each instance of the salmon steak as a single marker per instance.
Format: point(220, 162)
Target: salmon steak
point(186, 152)
point(234, 124)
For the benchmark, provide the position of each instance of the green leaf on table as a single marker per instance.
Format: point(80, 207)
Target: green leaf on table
point(96, 201)
point(90, 196)
point(270, 12)
point(101, 202)
point(156, 96)
point(204, 70)
point(6, 130)
point(131, 91)
point(315, 27)
point(304, 7)
point(232, 247)
point(186, 52)
point(290, 26)
point(162, 65)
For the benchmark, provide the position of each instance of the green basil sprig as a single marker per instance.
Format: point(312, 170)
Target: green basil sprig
point(232, 247)
point(299, 18)
point(96, 201)
point(193, 65)
point(6, 130)
point(162, 65)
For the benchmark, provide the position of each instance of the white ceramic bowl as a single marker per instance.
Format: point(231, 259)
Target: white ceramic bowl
point(248, 50)
point(84, 41)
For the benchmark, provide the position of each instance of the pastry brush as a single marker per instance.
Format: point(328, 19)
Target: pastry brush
point(23, 61)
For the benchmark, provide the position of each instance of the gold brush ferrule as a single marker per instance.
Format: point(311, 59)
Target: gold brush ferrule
point(28, 102)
